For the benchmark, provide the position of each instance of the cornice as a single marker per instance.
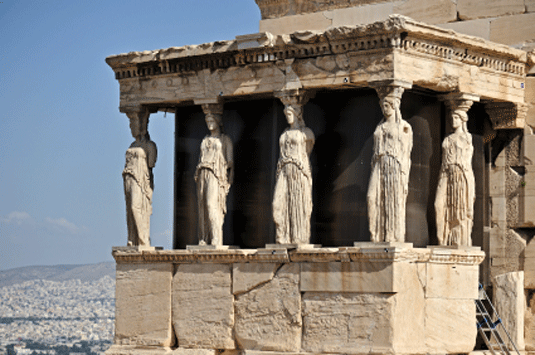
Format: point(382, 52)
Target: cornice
point(397, 32)
point(470, 256)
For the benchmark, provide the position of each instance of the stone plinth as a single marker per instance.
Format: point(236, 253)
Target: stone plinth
point(391, 299)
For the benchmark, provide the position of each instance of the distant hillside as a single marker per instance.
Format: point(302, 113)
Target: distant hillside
point(88, 272)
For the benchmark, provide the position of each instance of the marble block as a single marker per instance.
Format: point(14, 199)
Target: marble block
point(449, 281)
point(203, 310)
point(352, 323)
point(268, 317)
point(246, 276)
point(450, 325)
point(529, 265)
point(393, 300)
point(509, 301)
point(143, 305)
point(348, 277)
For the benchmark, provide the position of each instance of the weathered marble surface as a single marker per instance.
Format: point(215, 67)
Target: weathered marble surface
point(214, 175)
point(138, 180)
point(292, 198)
point(450, 326)
point(347, 322)
point(269, 317)
point(203, 309)
point(143, 305)
point(349, 277)
point(234, 301)
point(246, 276)
point(332, 58)
point(509, 301)
point(455, 197)
point(450, 281)
point(391, 165)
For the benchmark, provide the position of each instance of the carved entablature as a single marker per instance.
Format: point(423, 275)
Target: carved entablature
point(344, 57)
point(468, 256)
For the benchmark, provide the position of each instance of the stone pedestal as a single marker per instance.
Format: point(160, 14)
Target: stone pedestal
point(354, 300)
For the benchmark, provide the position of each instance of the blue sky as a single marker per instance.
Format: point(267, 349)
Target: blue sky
point(62, 136)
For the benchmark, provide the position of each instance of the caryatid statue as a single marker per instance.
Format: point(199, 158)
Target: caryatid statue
point(454, 203)
point(138, 180)
point(214, 175)
point(391, 165)
point(292, 198)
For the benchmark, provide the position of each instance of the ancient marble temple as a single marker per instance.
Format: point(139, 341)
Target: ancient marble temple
point(336, 189)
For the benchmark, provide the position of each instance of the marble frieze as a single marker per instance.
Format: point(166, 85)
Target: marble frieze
point(343, 57)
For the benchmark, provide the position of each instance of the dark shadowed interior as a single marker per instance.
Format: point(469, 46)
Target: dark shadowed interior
point(343, 123)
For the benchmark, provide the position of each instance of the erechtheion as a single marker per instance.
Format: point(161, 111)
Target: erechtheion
point(344, 180)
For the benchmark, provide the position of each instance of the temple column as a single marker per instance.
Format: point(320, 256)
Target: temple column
point(456, 190)
point(292, 198)
point(457, 101)
point(138, 178)
point(391, 164)
point(213, 176)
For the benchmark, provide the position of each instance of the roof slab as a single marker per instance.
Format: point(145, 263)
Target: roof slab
point(261, 64)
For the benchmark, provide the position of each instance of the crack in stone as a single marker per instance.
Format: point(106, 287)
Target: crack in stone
point(238, 294)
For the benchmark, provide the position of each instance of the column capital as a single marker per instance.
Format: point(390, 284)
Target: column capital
point(390, 87)
point(136, 108)
point(212, 108)
point(137, 113)
point(293, 97)
point(459, 100)
point(507, 115)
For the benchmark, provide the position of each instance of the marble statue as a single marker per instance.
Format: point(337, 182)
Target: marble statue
point(214, 175)
point(391, 165)
point(292, 199)
point(454, 203)
point(139, 181)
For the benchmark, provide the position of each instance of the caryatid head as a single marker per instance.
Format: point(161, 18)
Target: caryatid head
point(459, 114)
point(213, 121)
point(213, 116)
point(390, 101)
point(139, 122)
point(294, 115)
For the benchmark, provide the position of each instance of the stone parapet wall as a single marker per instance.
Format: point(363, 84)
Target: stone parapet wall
point(353, 300)
point(509, 22)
